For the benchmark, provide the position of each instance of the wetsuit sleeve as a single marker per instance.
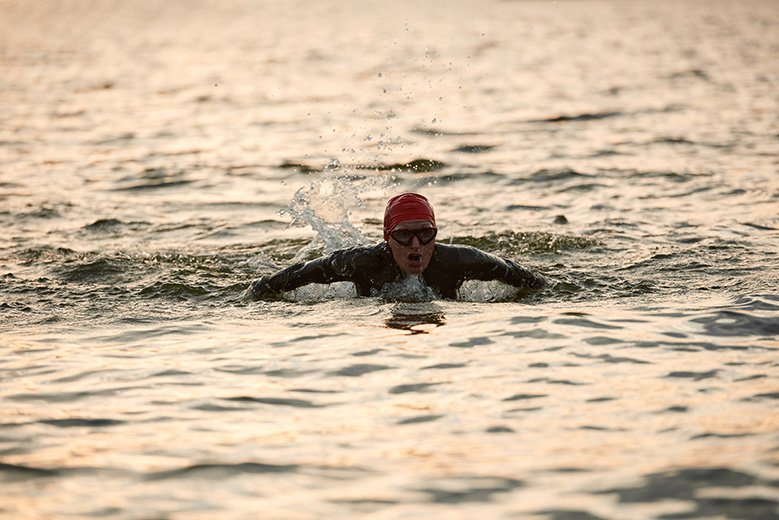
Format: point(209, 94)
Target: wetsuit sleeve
point(337, 267)
point(518, 276)
point(479, 265)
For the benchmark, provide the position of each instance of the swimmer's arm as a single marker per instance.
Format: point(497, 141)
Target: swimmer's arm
point(486, 267)
point(326, 269)
point(519, 276)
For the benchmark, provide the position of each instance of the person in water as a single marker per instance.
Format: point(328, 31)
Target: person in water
point(409, 249)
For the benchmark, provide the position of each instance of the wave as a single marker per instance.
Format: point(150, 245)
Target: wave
point(113, 225)
point(552, 175)
point(275, 401)
point(175, 290)
point(519, 243)
point(416, 166)
point(473, 148)
point(16, 472)
point(586, 116)
point(691, 484)
point(219, 471)
point(92, 270)
point(728, 323)
point(80, 423)
point(467, 488)
point(419, 165)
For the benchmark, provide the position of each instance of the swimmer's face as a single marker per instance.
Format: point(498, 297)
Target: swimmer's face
point(405, 242)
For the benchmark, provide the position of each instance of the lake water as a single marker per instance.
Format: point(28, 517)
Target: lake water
point(155, 157)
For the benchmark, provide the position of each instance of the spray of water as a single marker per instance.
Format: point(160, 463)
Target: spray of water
point(479, 291)
point(409, 289)
point(326, 205)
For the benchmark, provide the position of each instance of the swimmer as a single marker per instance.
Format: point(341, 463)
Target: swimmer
point(409, 249)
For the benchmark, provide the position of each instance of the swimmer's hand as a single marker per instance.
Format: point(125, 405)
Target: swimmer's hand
point(259, 289)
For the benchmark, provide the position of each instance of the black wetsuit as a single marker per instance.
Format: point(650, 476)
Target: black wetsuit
point(371, 268)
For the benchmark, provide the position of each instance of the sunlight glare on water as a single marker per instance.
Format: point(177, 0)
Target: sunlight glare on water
point(155, 158)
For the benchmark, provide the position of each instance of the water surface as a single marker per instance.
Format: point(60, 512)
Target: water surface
point(155, 158)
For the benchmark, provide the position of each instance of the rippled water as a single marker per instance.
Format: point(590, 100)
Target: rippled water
point(156, 157)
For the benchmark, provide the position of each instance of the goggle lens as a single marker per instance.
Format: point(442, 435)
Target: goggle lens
point(405, 236)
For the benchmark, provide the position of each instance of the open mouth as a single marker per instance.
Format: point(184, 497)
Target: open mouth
point(414, 258)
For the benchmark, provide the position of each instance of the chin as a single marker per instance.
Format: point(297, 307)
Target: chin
point(414, 269)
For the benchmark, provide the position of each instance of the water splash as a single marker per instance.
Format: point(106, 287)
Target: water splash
point(322, 292)
point(409, 289)
point(480, 291)
point(326, 205)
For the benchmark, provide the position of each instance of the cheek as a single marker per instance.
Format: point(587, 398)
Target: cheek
point(396, 254)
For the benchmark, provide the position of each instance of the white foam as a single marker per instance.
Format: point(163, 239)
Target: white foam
point(409, 289)
point(326, 205)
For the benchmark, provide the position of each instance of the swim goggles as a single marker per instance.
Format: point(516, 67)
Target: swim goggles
point(405, 236)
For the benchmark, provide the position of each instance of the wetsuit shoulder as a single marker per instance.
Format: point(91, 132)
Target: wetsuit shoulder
point(351, 261)
point(452, 264)
point(369, 268)
point(464, 258)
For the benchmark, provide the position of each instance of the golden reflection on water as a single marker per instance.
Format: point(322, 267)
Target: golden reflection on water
point(183, 118)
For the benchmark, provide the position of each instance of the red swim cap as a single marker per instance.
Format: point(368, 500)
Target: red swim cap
point(406, 206)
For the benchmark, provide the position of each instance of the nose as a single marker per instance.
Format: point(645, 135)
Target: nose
point(415, 242)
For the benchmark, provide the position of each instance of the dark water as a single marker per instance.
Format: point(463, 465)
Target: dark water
point(156, 157)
